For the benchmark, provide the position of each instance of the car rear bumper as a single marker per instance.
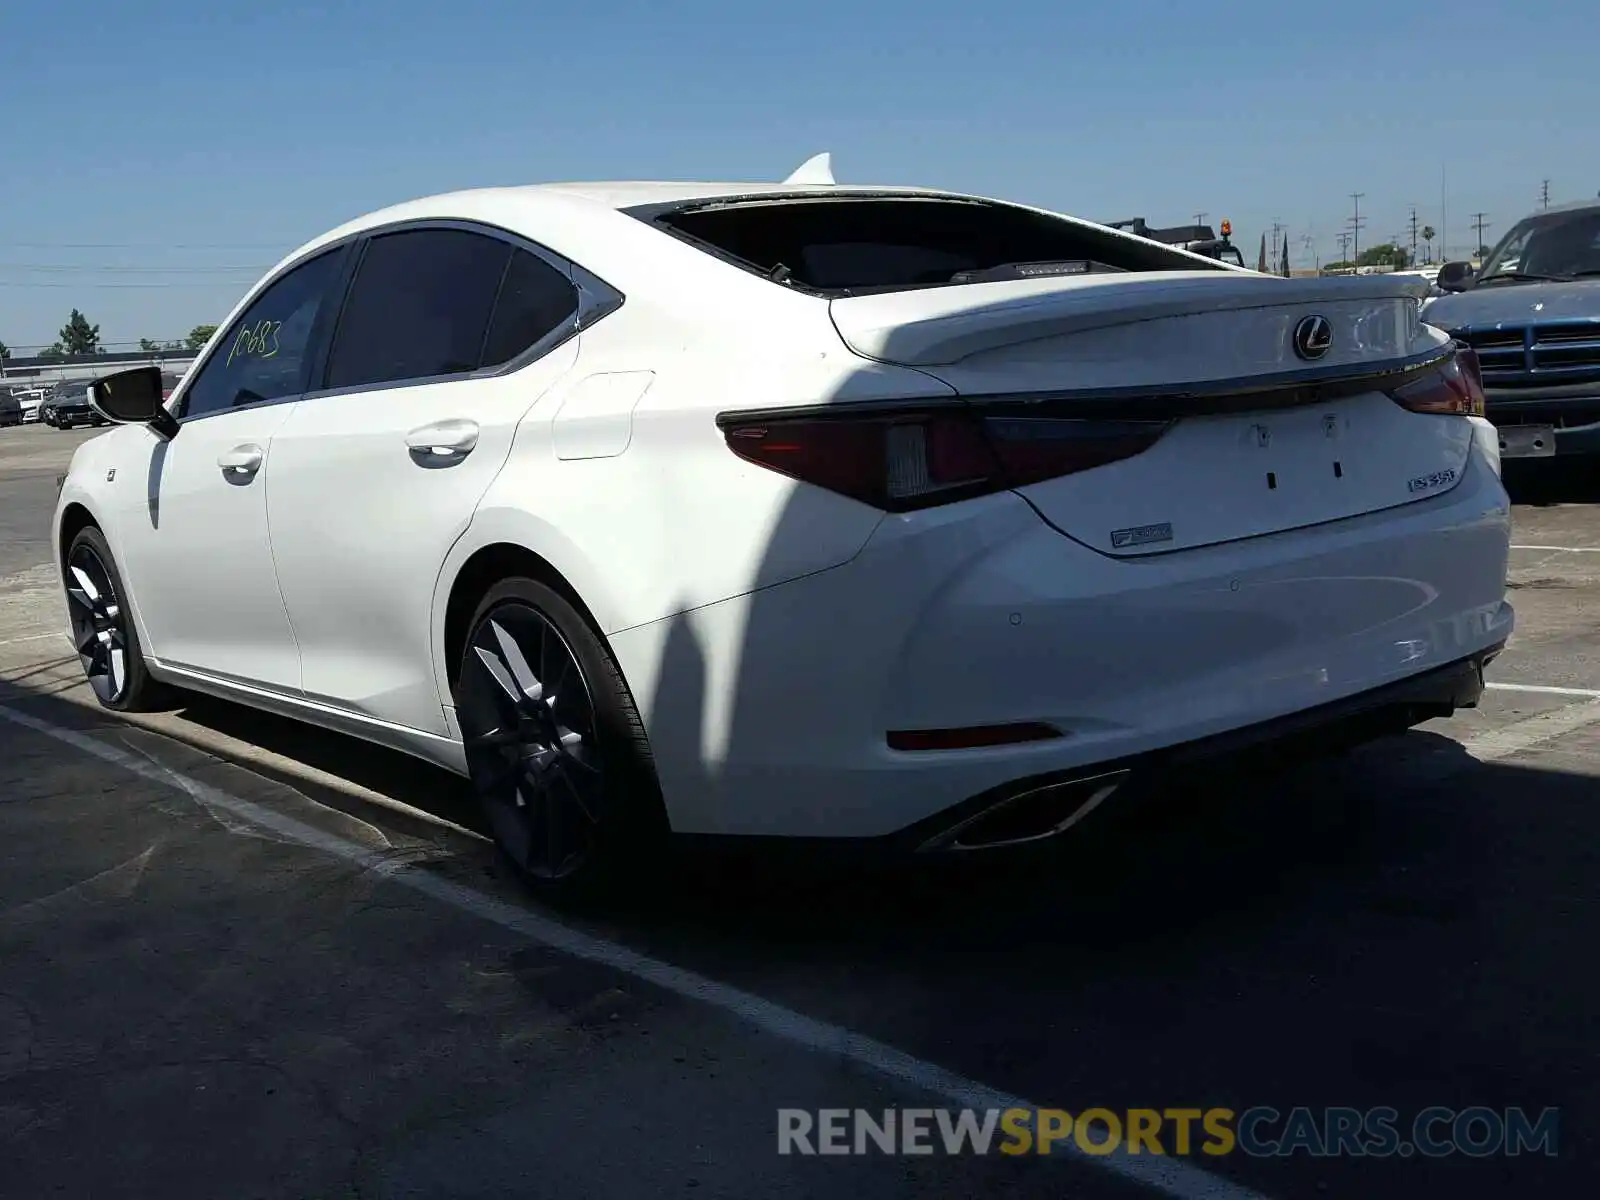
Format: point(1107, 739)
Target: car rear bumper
point(769, 713)
point(1041, 806)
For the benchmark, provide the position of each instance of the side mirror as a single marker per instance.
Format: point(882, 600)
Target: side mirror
point(134, 398)
point(1455, 276)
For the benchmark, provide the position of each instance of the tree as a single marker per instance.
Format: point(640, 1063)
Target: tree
point(5, 351)
point(55, 351)
point(150, 346)
point(1428, 234)
point(1385, 254)
point(78, 336)
point(199, 336)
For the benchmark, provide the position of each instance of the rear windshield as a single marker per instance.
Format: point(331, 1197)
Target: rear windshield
point(855, 245)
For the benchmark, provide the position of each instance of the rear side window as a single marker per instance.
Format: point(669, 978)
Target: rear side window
point(535, 300)
point(419, 307)
point(264, 356)
point(847, 246)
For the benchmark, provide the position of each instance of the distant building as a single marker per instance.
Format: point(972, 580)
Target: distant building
point(48, 371)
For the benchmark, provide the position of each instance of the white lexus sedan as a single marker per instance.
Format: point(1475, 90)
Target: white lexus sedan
point(800, 510)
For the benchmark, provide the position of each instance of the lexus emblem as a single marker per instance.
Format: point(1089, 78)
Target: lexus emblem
point(1313, 337)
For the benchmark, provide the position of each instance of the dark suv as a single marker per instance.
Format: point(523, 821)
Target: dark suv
point(1532, 312)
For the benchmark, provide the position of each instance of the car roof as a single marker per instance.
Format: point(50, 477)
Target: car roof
point(586, 223)
point(1571, 206)
point(548, 205)
point(589, 224)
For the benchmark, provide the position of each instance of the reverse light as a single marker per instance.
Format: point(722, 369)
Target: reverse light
point(1454, 388)
point(904, 459)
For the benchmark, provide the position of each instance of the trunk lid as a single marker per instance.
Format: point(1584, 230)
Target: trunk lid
point(1261, 438)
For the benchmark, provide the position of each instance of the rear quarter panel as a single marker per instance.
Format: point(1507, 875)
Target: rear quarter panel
point(663, 517)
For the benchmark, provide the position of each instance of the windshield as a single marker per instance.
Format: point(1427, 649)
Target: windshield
point(1551, 246)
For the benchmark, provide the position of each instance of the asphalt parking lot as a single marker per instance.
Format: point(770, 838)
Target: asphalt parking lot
point(243, 958)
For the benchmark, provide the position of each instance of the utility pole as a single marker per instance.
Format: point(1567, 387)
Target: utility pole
point(1309, 244)
point(1344, 245)
point(1544, 195)
point(1200, 218)
point(1356, 222)
point(1478, 223)
point(1413, 235)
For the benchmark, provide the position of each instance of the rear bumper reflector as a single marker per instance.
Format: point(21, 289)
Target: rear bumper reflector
point(970, 737)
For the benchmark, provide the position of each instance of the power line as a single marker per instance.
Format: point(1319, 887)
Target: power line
point(1544, 194)
point(110, 269)
point(278, 246)
point(99, 285)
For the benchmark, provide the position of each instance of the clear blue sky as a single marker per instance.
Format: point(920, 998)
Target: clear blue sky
point(172, 140)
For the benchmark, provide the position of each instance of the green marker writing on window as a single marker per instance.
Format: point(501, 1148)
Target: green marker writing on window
point(256, 341)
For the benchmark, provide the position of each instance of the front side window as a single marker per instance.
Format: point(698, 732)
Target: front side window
point(419, 307)
point(265, 355)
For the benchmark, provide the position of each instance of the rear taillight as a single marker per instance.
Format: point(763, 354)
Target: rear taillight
point(906, 459)
point(1454, 388)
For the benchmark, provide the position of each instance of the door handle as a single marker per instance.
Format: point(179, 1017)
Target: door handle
point(242, 461)
point(443, 440)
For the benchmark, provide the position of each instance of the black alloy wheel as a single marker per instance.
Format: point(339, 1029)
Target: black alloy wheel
point(554, 746)
point(102, 629)
point(99, 623)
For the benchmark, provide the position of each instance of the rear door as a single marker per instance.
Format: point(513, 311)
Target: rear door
point(448, 336)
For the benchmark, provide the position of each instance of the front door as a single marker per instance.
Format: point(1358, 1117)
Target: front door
point(199, 555)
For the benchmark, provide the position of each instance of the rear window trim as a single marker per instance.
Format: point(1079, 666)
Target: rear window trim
point(653, 214)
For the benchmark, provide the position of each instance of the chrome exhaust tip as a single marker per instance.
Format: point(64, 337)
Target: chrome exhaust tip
point(1035, 815)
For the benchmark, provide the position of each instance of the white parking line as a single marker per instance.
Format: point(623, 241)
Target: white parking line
point(37, 637)
point(1541, 689)
point(1532, 731)
point(1167, 1175)
point(1561, 549)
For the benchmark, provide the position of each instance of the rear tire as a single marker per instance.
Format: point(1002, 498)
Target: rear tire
point(103, 630)
point(555, 747)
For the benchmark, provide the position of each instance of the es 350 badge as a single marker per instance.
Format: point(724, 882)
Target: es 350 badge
point(1434, 479)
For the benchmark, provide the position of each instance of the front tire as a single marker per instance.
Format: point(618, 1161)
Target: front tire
point(555, 748)
point(102, 627)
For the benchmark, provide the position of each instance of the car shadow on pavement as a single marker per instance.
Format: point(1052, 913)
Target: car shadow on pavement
point(371, 768)
point(1402, 924)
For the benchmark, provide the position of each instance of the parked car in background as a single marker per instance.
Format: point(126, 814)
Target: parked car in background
point(72, 408)
point(31, 399)
point(1532, 312)
point(10, 409)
